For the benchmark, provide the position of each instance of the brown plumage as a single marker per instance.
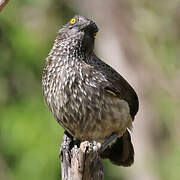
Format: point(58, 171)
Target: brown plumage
point(86, 96)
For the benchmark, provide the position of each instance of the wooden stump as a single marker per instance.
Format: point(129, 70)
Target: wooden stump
point(3, 3)
point(81, 163)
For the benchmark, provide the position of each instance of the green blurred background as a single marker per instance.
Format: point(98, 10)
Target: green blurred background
point(142, 36)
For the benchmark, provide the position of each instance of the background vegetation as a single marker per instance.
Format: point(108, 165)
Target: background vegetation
point(30, 137)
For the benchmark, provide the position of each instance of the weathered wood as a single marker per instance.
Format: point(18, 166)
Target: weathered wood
point(3, 3)
point(81, 163)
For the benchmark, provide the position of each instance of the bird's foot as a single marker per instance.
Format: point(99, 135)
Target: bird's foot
point(108, 141)
point(65, 149)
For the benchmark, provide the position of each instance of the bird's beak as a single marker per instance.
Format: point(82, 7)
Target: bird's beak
point(94, 27)
point(91, 27)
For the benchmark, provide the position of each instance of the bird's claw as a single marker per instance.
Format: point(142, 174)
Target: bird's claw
point(108, 141)
point(65, 150)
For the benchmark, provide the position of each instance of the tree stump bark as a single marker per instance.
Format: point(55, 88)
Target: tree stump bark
point(81, 163)
point(3, 3)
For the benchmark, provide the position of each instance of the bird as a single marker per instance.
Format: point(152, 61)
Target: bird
point(87, 97)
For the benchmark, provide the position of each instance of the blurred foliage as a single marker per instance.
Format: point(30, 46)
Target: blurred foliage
point(29, 136)
point(157, 23)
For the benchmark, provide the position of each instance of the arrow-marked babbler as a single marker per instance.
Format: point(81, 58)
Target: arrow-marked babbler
point(88, 98)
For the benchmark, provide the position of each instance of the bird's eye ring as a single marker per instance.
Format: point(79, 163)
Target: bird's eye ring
point(73, 21)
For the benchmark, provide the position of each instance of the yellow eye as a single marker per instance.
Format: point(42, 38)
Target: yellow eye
point(95, 34)
point(73, 21)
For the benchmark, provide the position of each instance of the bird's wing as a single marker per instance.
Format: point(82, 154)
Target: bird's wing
point(117, 85)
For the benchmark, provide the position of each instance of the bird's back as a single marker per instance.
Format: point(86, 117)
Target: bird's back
point(117, 84)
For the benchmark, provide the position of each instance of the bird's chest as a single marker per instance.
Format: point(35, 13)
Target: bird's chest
point(80, 104)
point(78, 95)
point(70, 93)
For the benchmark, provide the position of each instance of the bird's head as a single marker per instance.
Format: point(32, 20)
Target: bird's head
point(81, 29)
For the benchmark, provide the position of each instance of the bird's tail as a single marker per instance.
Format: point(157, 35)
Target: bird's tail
point(121, 152)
